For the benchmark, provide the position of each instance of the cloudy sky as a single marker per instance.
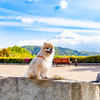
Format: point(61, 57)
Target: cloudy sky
point(31, 22)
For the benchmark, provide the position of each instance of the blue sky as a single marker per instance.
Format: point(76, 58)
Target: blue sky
point(31, 22)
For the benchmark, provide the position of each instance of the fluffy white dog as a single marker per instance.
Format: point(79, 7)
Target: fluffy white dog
point(39, 66)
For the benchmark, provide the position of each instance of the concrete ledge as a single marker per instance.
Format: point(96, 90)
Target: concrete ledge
point(88, 64)
point(83, 64)
point(14, 63)
point(33, 89)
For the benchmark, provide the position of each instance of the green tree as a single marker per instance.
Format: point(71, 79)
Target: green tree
point(4, 52)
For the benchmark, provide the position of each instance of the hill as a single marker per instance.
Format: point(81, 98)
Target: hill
point(32, 49)
point(60, 51)
point(18, 52)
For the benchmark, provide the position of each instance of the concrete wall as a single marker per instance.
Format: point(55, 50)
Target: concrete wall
point(33, 89)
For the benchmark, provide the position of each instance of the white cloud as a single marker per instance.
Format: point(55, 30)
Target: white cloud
point(25, 19)
point(7, 17)
point(45, 29)
point(32, 42)
point(53, 29)
point(63, 4)
point(13, 24)
point(67, 22)
point(85, 31)
point(47, 21)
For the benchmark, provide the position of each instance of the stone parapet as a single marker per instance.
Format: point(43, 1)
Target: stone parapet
point(34, 89)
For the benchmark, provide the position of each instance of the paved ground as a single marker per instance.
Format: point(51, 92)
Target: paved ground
point(80, 73)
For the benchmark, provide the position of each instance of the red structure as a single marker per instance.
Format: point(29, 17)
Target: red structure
point(62, 61)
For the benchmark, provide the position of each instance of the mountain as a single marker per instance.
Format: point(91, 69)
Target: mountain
point(75, 41)
point(60, 51)
point(67, 37)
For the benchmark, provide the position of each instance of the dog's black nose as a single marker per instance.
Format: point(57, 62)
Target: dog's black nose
point(51, 49)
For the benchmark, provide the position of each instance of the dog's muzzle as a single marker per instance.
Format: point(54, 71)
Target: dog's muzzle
point(50, 52)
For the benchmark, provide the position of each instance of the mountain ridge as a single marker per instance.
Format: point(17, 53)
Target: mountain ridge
point(60, 51)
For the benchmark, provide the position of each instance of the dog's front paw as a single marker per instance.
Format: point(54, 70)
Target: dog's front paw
point(39, 77)
point(42, 76)
point(47, 77)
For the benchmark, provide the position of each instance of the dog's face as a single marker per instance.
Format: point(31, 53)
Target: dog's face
point(48, 48)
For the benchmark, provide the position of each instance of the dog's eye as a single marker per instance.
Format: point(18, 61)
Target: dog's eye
point(47, 47)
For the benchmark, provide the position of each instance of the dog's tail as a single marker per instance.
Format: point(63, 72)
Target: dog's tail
point(29, 74)
point(25, 75)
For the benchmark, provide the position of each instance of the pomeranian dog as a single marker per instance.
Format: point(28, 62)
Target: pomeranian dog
point(39, 66)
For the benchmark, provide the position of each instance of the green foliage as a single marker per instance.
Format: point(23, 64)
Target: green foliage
point(14, 60)
point(80, 59)
point(93, 59)
point(89, 59)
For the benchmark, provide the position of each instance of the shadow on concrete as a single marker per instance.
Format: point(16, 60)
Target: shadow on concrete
point(85, 68)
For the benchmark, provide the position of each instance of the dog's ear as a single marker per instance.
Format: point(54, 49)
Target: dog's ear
point(45, 43)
